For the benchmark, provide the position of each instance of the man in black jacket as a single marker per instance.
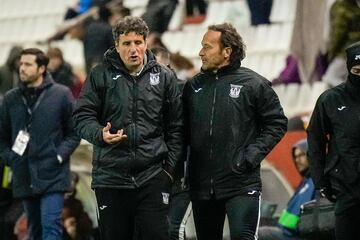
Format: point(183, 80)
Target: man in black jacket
point(233, 119)
point(130, 108)
point(334, 147)
point(37, 139)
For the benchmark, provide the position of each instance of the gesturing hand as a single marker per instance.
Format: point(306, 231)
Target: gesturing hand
point(110, 138)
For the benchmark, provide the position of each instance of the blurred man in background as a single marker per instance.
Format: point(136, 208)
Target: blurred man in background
point(289, 219)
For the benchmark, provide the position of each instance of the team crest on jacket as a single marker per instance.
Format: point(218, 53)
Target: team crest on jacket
point(154, 78)
point(235, 90)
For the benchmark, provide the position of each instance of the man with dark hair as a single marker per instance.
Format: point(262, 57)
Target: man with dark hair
point(334, 147)
point(158, 14)
point(233, 119)
point(97, 38)
point(60, 70)
point(162, 55)
point(9, 72)
point(130, 109)
point(37, 139)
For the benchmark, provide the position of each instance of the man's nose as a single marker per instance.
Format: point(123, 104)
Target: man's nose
point(132, 47)
point(201, 52)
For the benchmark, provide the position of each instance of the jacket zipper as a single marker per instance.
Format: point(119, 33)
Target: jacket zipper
point(134, 117)
point(210, 134)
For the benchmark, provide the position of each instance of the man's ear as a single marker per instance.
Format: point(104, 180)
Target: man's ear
point(227, 51)
point(42, 69)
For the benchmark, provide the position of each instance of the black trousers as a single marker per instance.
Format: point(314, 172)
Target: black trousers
point(179, 203)
point(243, 214)
point(127, 214)
point(347, 223)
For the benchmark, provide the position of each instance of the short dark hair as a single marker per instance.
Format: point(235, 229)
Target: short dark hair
point(41, 58)
point(55, 52)
point(230, 38)
point(162, 52)
point(130, 24)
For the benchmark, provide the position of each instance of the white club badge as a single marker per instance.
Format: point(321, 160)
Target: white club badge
point(165, 197)
point(235, 90)
point(154, 78)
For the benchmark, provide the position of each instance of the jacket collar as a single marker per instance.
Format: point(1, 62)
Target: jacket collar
point(47, 82)
point(223, 70)
point(352, 89)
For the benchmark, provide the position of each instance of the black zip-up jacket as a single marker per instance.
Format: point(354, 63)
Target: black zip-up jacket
point(149, 109)
point(334, 139)
point(234, 119)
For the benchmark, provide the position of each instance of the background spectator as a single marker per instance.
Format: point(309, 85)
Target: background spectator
point(287, 224)
point(76, 222)
point(9, 72)
point(260, 11)
point(98, 38)
point(62, 72)
point(195, 11)
point(344, 30)
point(10, 209)
point(290, 74)
point(182, 66)
point(158, 14)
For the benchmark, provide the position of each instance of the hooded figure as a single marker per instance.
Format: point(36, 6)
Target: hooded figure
point(334, 147)
point(299, 151)
point(353, 64)
point(9, 72)
point(305, 192)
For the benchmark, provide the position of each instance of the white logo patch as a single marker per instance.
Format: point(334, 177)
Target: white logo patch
point(165, 198)
point(154, 78)
point(197, 90)
point(116, 77)
point(341, 108)
point(103, 207)
point(357, 57)
point(235, 90)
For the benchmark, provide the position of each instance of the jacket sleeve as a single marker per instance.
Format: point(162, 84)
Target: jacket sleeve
point(70, 138)
point(173, 117)
point(6, 154)
point(271, 121)
point(317, 132)
point(87, 110)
